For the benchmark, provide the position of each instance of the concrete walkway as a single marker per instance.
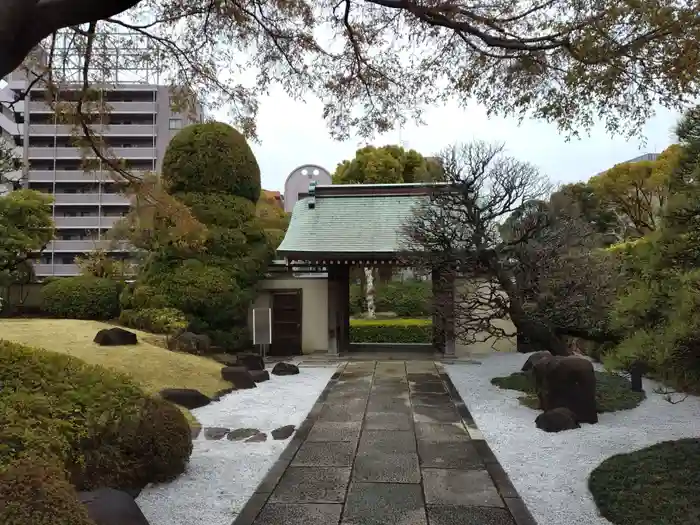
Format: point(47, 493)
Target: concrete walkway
point(387, 443)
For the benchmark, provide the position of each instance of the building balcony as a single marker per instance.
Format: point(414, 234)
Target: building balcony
point(112, 107)
point(89, 223)
point(79, 153)
point(85, 245)
point(59, 270)
point(126, 130)
point(75, 176)
point(104, 199)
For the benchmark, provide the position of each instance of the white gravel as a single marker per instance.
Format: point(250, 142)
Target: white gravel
point(222, 475)
point(550, 471)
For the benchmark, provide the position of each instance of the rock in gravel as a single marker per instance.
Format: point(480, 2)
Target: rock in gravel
point(556, 420)
point(257, 438)
point(185, 397)
point(239, 376)
point(240, 434)
point(215, 433)
point(285, 369)
point(107, 506)
point(567, 382)
point(250, 361)
point(260, 375)
point(534, 358)
point(283, 432)
point(115, 337)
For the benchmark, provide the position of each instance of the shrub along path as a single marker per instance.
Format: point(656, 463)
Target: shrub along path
point(388, 443)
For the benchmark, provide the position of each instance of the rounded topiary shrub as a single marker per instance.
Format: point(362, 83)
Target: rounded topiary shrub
point(211, 158)
point(35, 491)
point(96, 425)
point(82, 297)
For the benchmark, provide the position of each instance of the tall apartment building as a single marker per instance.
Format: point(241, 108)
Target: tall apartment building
point(137, 129)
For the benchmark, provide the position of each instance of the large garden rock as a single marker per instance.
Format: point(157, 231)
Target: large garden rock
point(556, 420)
point(190, 343)
point(115, 337)
point(285, 369)
point(567, 381)
point(250, 361)
point(239, 376)
point(185, 397)
point(107, 506)
point(259, 375)
point(531, 360)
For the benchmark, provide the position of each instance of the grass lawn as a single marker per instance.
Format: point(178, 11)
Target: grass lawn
point(151, 366)
point(613, 392)
point(657, 485)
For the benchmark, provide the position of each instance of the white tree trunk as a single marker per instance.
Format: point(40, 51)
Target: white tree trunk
point(369, 296)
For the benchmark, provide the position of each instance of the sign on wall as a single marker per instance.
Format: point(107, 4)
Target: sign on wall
point(262, 326)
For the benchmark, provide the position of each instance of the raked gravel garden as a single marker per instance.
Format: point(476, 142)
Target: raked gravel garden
point(229, 459)
point(551, 470)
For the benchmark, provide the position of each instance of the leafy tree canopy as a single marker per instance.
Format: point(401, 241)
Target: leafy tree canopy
point(25, 227)
point(375, 61)
point(387, 165)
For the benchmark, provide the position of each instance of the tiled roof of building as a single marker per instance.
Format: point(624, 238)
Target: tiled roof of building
point(352, 220)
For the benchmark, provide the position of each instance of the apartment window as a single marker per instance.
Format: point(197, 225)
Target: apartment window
point(175, 123)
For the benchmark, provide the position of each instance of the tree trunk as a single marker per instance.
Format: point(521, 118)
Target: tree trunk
point(369, 278)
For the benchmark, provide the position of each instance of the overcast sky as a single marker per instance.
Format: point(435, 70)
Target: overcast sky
point(294, 133)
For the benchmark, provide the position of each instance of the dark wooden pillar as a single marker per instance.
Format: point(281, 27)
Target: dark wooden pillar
point(343, 285)
point(444, 339)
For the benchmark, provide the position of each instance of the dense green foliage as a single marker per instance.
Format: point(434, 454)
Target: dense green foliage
point(25, 227)
point(410, 298)
point(211, 157)
point(82, 297)
point(658, 311)
point(387, 165)
point(63, 420)
point(154, 320)
point(213, 282)
point(613, 392)
point(656, 485)
point(391, 331)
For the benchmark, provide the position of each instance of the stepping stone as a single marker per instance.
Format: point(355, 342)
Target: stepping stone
point(453, 515)
point(384, 504)
point(240, 434)
point(216, 432)
point(283, 432)
point(257, 438)
point(460, 487)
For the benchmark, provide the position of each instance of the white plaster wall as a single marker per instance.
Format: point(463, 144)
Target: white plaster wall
point(314, 302)
point(490, 344)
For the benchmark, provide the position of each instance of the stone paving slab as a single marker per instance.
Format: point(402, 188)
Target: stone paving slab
point(379, 467)
point(308, 514)
point(455, 515)
point(387, 443)
point(384, 504)
point(312, 485)
point(460, 487)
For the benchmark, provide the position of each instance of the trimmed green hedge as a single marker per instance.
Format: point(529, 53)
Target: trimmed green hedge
point(66, 426)
point(391, 331)
point(410, 298)
point(82, 297)
point(154, 320)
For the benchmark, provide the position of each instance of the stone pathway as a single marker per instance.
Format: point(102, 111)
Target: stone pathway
point(387, 443)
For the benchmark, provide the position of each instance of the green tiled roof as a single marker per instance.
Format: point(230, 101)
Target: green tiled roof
point(349, 224)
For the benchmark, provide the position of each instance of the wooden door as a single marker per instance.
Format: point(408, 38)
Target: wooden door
point(286, 323)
